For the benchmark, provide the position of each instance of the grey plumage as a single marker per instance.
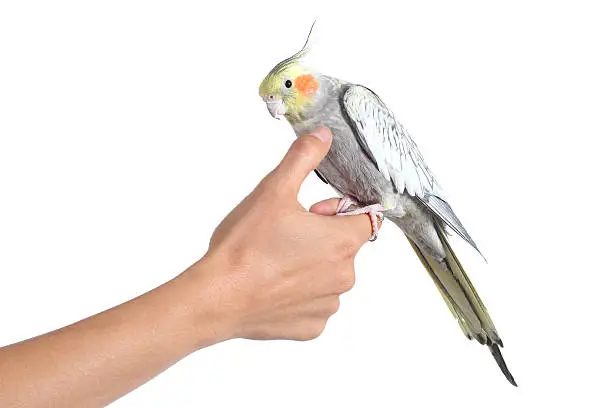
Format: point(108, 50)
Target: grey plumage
point(374, 160)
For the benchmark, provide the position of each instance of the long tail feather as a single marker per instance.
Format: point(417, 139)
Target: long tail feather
point(499, 359)
point(463, 300)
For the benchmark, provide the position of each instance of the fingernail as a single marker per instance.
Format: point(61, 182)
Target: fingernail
point(322, 133)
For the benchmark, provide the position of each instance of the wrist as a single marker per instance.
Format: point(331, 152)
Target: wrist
point(204, 289)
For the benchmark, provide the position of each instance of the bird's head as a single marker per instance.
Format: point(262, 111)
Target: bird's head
point(290, 89)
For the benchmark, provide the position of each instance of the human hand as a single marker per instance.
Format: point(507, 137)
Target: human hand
point(276, 270)
point(273, 271)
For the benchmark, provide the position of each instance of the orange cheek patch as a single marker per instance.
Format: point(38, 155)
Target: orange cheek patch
point(306, 84)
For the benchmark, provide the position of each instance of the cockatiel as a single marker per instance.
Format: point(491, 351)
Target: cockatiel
point(374, 163)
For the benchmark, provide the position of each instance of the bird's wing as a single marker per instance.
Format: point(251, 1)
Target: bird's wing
point(396, 155)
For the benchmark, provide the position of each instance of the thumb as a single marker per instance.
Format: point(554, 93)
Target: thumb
point(302, 158)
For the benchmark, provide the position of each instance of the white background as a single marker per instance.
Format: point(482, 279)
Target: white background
point(129, 129)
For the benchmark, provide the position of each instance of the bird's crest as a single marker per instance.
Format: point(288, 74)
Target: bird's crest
point(284, 64)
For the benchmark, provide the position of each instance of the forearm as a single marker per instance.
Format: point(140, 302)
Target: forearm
point(99, 359)
point(273, 271)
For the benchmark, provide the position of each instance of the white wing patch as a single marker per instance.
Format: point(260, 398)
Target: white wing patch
point(392, 148)
point(396, 155)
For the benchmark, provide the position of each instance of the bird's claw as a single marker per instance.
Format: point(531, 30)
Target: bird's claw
point(375, 211)
point(377, 218)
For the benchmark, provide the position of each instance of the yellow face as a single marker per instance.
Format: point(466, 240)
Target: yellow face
point(288, 90)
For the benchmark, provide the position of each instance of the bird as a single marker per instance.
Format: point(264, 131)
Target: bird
point(376, 166)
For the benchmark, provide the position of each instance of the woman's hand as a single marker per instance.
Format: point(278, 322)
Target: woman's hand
point(277, 270)
point(273, 270)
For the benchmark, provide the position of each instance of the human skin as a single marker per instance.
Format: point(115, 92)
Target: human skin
point(272, 271)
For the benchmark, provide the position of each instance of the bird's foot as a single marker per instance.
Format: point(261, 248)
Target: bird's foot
point(375, 211)
point(345, 203)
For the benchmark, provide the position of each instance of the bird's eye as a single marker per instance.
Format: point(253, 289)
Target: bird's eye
point(288, 83)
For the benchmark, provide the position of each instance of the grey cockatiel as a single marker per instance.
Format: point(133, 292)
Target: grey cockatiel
point(378, 168)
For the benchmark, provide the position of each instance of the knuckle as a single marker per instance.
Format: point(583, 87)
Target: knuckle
point(318, 329)
point(334, 305)
point(311, 335)
point(346, 281)
point(311, 332)
point(345, 248)
point(357, 241)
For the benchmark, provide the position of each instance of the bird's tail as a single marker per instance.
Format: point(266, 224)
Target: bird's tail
point(462, 300)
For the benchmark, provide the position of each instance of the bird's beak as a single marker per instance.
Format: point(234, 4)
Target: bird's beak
point(276, 108)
